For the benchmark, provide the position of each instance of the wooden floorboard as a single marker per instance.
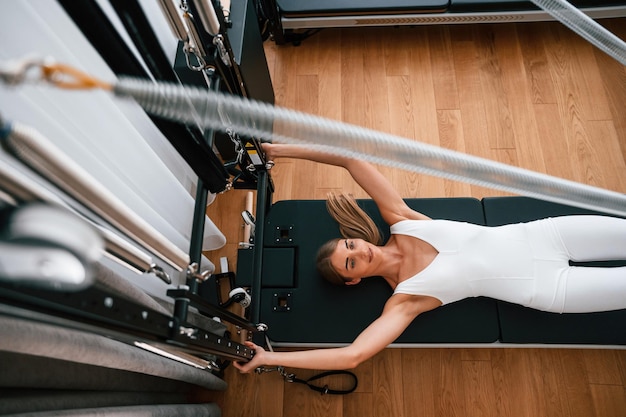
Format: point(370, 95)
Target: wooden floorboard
point(534, 95)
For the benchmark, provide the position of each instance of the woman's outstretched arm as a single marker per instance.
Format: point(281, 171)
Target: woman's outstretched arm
point(391, 205)
point(400, 310)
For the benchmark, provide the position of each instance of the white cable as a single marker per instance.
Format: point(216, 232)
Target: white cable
point(264, 122)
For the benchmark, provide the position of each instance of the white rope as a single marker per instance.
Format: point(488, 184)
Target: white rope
point(264, 122)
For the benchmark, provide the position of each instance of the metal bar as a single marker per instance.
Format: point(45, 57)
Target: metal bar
point(197, 229)
point(105, 313)
point(257, 264)
point(91, 305)
point(211, 343)
point(197, 232)
point(210, 309)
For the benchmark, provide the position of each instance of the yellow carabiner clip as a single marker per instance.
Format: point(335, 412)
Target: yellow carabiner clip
point(65, 76)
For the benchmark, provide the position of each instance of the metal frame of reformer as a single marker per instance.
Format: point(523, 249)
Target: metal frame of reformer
point(105, 312)
point(308, 22)
point(295, 27)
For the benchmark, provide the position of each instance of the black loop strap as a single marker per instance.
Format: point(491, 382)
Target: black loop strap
point(325, 390)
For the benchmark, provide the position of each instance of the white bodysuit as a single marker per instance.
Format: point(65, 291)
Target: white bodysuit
point(523, 263)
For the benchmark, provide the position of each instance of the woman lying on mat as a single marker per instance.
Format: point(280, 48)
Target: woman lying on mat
point(429, 263)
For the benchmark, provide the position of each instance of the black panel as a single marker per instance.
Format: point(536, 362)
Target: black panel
point(319, 312)
point(279, 267)
point(247, 44)
point(244, 267)
point(135, 22)
point(467, 6)
point(473, 320)
point(518, 5)
point(330, 7)
point(525, 325)
point(96, 27)
point(300, 8)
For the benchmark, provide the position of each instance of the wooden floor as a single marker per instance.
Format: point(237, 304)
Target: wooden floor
point(532, 95)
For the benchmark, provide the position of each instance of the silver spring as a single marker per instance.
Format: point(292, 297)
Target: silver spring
point(262, 121)
point(586, 27)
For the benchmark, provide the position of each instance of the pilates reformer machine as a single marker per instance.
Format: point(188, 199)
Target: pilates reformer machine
point(58, 221)
point(291, 21)
point(277, 265)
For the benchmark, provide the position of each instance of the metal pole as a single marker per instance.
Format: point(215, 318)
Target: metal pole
point(257, 265)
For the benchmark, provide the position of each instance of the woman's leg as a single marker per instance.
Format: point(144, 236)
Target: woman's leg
point(595, 289)
point(593, 238)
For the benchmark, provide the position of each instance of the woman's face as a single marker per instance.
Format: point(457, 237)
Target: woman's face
point(354, 259)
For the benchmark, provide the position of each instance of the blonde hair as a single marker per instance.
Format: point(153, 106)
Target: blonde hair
point(354, 223)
